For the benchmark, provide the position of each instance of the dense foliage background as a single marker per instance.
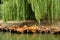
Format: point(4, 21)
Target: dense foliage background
point(30, 10)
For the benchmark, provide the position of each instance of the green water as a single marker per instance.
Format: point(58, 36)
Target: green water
point(10, 36)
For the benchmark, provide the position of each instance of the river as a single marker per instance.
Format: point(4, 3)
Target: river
point(14, 36)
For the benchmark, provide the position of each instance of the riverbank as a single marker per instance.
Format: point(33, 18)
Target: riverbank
point(28, 27)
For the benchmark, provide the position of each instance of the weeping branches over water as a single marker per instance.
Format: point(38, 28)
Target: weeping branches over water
point(39, 7)
point(20, 10)
point(14, 10)
point(45, 7)
point(56, 9)
point(0, 12)
point(52, 10)
point(8, 7)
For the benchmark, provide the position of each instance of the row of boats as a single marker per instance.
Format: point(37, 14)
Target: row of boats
point(31, 29)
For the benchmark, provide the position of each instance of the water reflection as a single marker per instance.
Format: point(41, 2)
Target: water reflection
point(11, 36)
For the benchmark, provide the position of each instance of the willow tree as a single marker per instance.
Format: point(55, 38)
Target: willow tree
point(39, 8)
point(14, 10)
point(0, 12)
point(52, 10)
point(20, 10)
point(58, 9)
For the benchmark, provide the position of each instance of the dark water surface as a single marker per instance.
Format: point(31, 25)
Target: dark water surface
point(13, 36)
